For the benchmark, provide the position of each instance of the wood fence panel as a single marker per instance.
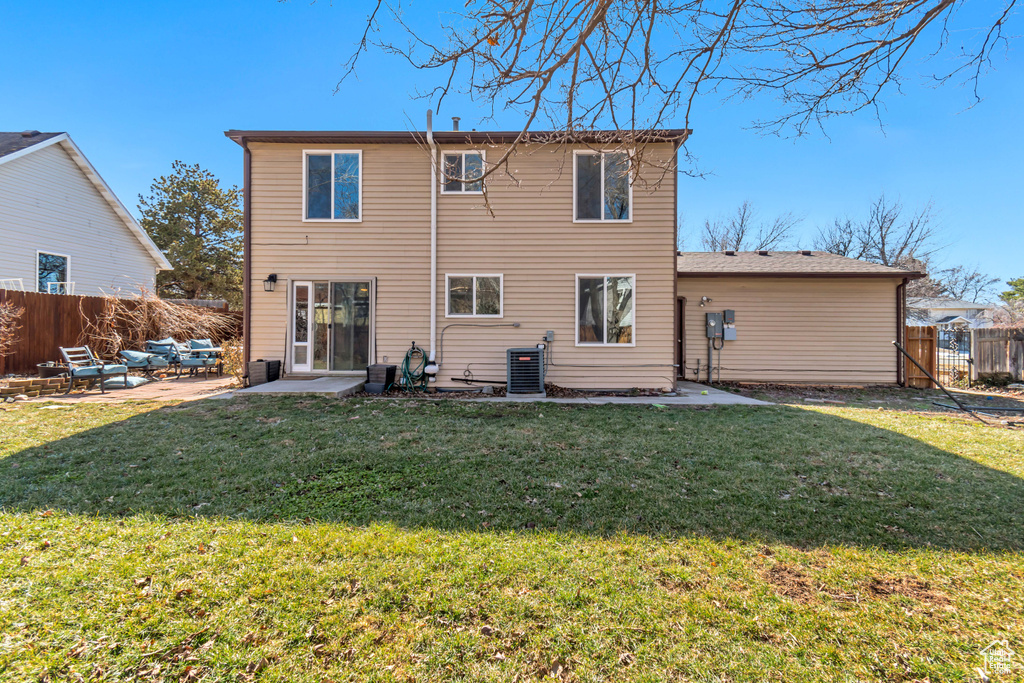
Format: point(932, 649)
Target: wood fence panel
point(51, 321)
point(999, 351)
point(922, 344)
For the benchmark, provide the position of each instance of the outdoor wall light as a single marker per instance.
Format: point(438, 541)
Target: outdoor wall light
point(704, 301)
point(268, 284)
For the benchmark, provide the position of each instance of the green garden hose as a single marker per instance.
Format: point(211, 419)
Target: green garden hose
point(413, 377)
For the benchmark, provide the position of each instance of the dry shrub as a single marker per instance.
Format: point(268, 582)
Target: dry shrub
point(9, 314)
point(128, 323)
point(233, 358)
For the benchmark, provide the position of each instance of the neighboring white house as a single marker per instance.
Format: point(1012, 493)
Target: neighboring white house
point(946, 313)
point(62, 230)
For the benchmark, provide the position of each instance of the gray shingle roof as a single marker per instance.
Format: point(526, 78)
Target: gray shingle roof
point(15, 142)
point(939, 302)
point(815, 263)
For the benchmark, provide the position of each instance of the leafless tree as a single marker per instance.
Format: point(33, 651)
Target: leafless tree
point(742, 231)
point(889, 235)
point(966, 284)
point(640, 65)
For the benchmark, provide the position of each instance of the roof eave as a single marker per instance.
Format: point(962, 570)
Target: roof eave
point(670, 136)
point(912, 275)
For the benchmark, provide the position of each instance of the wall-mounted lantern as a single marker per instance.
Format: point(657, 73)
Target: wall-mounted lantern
point(268, 284)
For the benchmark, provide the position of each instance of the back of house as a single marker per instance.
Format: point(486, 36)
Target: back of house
point(357, 245)
point(62, 228)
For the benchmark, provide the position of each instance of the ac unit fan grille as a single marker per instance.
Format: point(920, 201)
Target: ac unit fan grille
point(525, 371)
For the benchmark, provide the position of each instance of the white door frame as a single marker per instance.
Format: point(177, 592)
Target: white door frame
point(292, 344)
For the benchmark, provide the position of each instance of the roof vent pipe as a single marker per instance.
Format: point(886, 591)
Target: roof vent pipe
point(455, 123)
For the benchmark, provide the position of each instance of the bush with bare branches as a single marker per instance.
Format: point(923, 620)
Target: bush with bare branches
point(9, 315)
point(128, 323)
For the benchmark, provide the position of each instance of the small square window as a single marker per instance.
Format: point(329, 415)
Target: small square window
point(52, 273)
point(474, 295)
point(462, 173)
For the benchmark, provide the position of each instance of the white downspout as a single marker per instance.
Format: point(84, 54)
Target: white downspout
point(433, 234)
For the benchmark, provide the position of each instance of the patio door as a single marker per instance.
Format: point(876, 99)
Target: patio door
point(332, 326)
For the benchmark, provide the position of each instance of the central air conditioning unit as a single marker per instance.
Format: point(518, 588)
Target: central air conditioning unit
point(526, 371)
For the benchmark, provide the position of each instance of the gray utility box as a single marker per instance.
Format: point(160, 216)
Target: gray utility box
point(525, 371)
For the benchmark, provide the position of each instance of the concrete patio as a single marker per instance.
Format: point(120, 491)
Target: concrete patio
point(335, 387)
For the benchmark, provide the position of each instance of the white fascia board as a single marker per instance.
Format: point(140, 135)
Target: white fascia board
point(101, 185)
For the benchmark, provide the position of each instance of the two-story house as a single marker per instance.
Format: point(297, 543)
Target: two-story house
point(359, 243)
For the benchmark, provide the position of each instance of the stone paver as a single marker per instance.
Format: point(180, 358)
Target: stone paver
point(181, 389)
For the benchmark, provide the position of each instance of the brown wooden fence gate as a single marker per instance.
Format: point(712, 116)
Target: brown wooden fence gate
point(922, 344)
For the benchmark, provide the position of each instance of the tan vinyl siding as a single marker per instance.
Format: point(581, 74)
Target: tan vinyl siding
point(530, 239)
point(48, 204)
point(797, 330)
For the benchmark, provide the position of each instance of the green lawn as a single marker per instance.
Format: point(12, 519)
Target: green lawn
point(283, 539)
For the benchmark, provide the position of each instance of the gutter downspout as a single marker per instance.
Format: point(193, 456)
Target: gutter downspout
point(433, 233)
point(246, 255)
point(901, 322)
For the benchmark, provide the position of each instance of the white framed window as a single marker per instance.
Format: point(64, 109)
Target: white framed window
point(332, 185)
point(602, 190)
point(53, 273)
point(474, 296)
point(461, 172)
point(605, 310)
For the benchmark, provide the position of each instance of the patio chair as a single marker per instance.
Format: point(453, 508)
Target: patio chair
point(202, 355)
point(167, 349)
point(82, 363)
point(146, 362)
point(206, 348)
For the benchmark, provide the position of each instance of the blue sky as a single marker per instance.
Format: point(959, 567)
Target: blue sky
point(140, 84)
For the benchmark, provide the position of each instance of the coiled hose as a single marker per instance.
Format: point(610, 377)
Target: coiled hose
point(415, 361)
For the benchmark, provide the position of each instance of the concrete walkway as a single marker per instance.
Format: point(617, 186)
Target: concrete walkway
point(688, 394)
point(335, 387)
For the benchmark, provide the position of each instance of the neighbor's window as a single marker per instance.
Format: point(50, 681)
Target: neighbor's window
point(462, 172)
point(478, 295)
point(602, 186)
point(52, 273)
point(604, 309)
point(332, 191)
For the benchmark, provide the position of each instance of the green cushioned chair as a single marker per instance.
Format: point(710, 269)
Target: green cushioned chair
point(147, 362)
point(82, 363)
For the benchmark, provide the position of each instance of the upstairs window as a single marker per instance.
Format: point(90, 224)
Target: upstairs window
point(604, 310)
point(52, 273)
point(462, 173)
point(474, 295)
point(332, 189)
point(603, 192)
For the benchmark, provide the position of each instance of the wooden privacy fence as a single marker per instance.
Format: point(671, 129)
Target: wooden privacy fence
point(922, 344)
point(999, 351)
point(54, 320)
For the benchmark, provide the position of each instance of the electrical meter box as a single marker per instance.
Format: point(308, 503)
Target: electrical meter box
point(715, 327)
point(729, 317)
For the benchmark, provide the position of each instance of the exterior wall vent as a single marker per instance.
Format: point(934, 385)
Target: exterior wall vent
point(526, 371)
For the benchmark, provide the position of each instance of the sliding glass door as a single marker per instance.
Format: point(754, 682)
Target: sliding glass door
point(331, 326)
